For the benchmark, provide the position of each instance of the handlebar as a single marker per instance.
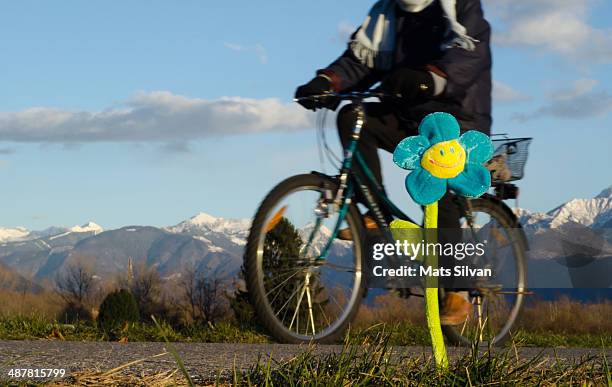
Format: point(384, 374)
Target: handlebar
point(349, 96)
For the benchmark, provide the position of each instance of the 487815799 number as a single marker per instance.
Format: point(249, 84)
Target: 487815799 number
point(35, 373)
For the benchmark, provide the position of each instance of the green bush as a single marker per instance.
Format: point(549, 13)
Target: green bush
point(117, 309)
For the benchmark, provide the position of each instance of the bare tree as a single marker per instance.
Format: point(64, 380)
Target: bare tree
point(25, 284)
point(204, 295)
point(76, 284)
point(145, 284)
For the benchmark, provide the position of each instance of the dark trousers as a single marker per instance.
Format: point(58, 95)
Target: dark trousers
point(384, 129)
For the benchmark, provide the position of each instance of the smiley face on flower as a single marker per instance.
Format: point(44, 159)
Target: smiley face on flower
point(445, 159)
point(442, 159)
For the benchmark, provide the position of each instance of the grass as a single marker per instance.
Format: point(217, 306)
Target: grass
point(375, 363)
point(174, 353)
point(561, 340)
point(38, 327)
point(33, 327)
point(367, 358)
point(119, 377)
point(560, 323)
point(566, 316)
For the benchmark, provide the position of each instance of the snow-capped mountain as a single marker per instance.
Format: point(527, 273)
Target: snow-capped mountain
point(204, 241)
point(570, 246)
point(204, 224)
point(217, 244)
point(88, 227)
point(594, 213)
point(219, 233)
point(321, 239)
point(13, 234)
point(20, 234)
point(606, 193)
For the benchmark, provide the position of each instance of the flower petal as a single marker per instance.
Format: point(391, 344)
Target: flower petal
point(478, 146)
point(474, 181)
point(438, 127)
point(424, 188)
point(408, 152)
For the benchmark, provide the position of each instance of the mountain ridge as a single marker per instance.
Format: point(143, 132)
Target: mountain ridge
point(595, 212)
point(205, 241)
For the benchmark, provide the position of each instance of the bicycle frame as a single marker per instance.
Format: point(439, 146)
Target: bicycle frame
point(351, 181)
point(371, 190)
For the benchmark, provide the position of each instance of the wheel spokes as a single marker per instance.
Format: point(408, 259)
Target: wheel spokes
point(299, 295)
point(297, 309)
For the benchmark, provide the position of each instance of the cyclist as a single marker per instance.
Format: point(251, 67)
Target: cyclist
point(436, 55)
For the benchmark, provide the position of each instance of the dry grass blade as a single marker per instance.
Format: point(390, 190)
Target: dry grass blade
point(115, 377)
point(126, 365)
point(175, 354)
point(56, 334)
point(161, 379)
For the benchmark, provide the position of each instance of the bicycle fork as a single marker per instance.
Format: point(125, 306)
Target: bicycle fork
point(341, 201)
point(349, 154)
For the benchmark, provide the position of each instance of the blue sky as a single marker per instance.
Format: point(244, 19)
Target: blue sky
point(147, 112)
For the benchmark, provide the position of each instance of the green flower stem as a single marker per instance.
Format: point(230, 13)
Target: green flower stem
point(432, 309)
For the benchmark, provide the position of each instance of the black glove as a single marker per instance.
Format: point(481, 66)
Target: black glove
point(318, 85)
point(412, 85)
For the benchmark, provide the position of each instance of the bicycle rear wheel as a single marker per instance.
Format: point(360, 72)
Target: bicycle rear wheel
point(298, 295)
point(496, 302)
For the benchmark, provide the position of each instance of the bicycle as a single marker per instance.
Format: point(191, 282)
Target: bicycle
point(306, 285)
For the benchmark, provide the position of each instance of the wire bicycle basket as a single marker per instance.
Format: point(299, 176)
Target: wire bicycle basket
point(509, 159)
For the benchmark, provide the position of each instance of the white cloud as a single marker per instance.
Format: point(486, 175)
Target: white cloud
point(155, 117)
point(504, 93)
point(579, 88)
point(559, 26)
point(580, 101)
point(257, 49)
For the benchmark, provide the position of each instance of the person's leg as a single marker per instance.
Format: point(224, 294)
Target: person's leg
point(382, 129)
point(449, 213)
point(449, 231)
point(456, 305)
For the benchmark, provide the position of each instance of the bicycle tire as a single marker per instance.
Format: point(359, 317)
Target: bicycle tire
point(502, 213)
point(252, 262)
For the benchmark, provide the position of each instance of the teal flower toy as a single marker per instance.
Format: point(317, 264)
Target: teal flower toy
point(441, 159)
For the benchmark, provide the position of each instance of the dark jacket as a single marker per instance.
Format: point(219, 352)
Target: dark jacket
point(419, 41)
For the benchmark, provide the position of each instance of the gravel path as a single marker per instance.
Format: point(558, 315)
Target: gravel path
point(203, 360)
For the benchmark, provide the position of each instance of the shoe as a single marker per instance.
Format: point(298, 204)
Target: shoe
point(346, 235)
point(456, 309)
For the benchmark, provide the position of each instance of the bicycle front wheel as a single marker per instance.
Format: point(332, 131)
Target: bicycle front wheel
point(304, 284)
point(496, 303)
